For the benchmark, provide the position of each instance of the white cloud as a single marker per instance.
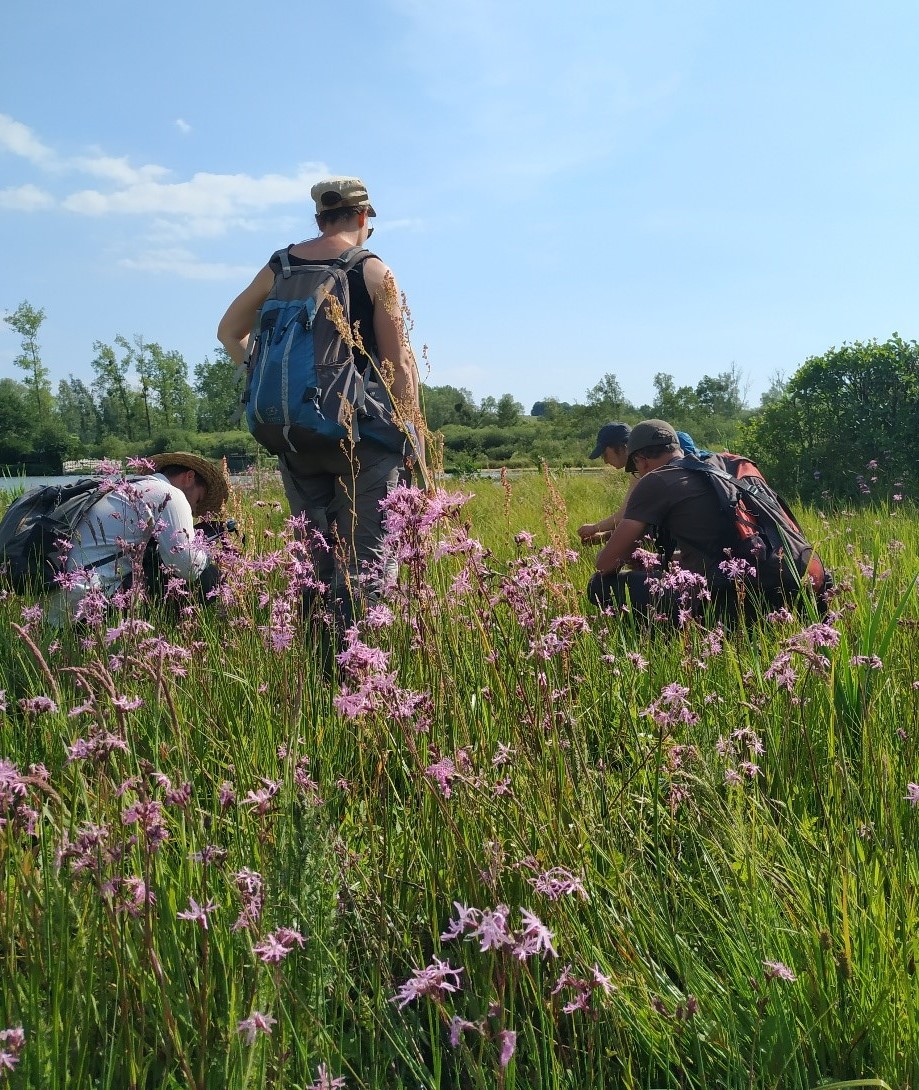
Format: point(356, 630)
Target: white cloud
point(25, 198)
point(20, 140)
point(184, 264)
point(167, 231)
point(115, 170)
point(183, 126)
point(205, 195)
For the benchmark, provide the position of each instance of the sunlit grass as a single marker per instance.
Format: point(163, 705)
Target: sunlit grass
point(723, 851)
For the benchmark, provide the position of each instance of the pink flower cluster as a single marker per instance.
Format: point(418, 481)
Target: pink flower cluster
point(490, 927)
point(12, 1042)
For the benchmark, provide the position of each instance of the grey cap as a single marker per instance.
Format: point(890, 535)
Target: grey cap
point(650, 433)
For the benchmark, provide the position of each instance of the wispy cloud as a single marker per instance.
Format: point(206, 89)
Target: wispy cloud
point(206, 200)
point(25, 198)
point(184, 264)
point(168, 210)
point(20, 140)
point(205, 195)
point(118, 170)
point(526, 112)
point(183, 126)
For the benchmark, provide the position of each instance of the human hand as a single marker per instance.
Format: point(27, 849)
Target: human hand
point(588, 533)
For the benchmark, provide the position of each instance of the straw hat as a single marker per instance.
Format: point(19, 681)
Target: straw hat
point(218, 488)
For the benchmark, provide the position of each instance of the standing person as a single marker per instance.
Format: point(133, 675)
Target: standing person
point(338, 485)
point(145, 525)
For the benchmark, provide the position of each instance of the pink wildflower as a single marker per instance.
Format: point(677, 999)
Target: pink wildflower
point(444, 772)
point(433, 981)
point(253, 1025)
point(777, 970)
point(324, 1080)
point(912, 794)
point(536, 938)
point(493, 931)
point(197, 913)
point(507, 1040)
point(466, 920)
point(558, 882)
point(277, 945)
point(37, 705)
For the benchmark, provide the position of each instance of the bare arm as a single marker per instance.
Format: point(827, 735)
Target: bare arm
point(590, 531)
point(242, 314)
point(618, 550)
point(398, 362)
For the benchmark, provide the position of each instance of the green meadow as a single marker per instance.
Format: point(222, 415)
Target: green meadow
point(518, 843)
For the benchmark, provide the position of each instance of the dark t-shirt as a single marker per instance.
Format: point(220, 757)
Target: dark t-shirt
point(685, 505)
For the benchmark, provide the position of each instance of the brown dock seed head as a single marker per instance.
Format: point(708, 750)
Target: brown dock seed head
point(336, 315)
point(387, 373)
point(357, 339)
point(388, 295)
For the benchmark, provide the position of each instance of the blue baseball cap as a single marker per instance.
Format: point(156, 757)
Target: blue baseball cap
point(611, 435)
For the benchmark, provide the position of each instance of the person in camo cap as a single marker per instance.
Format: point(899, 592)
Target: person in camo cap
point(339, 489)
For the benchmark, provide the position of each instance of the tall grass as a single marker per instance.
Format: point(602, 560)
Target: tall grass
point(221, 871)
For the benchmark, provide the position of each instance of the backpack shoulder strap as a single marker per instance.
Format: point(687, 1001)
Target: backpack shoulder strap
point(279, 262)
point(351, 258)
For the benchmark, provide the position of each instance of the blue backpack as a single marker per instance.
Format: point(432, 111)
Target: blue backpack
point(309, 385)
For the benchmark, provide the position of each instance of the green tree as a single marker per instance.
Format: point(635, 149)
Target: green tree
point(117, 401)
point(218, 392)
point(78, 411)
point(775, 390)
point(508, 411)
point(607, 398)
point(550, 408)
point(18, 421)
point(846, 423)
point(27, 321)
point(675, 404)
point(138, 356)
point(721, 395)
point(447, 405)
point(173, 398)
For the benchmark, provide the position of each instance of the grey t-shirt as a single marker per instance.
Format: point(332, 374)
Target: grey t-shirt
point(685, 505)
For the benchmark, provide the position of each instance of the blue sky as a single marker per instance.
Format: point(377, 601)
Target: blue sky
point(563, 190)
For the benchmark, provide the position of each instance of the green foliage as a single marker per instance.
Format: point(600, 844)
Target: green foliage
point(77, 410)
point(447, 405)
point(218, 390)
point(845, 424)
point(27, 321)
point(741, 850)
point(841, 428)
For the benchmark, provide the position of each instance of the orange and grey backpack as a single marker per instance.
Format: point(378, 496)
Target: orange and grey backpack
point(759, 527)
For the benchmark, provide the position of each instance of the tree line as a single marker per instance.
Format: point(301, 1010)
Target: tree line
point(841, 428)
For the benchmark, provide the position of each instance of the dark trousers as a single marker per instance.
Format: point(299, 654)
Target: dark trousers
point(339, 492)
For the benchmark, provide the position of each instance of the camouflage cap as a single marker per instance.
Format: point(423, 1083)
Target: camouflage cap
point(333, 193)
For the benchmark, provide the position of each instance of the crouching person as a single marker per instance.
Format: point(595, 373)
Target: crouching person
point(143, 528)
point(686, 499)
